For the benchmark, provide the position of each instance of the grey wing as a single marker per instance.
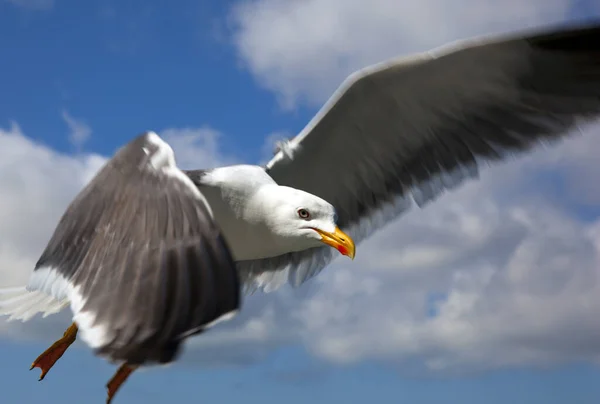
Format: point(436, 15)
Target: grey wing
point(401, 132)
point(143, 264)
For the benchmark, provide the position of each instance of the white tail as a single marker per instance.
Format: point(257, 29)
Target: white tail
point(22, 304)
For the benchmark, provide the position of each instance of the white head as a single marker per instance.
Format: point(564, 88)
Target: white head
point(300, 220)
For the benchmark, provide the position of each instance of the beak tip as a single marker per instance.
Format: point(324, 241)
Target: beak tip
point(340, 241)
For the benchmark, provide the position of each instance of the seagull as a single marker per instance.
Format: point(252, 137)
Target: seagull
point(393, 135)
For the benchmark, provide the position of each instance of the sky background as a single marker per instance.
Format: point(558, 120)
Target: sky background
point(489, 294)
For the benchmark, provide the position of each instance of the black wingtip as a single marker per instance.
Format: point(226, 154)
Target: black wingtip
point(581, 37)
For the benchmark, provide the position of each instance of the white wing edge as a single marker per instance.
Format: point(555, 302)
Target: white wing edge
point(406, 60)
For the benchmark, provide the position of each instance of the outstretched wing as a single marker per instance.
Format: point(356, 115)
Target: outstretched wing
point(403, 131)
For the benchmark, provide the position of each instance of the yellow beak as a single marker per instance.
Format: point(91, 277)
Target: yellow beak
point(338, 240)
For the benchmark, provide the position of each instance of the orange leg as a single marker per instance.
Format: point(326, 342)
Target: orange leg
point(117, 380)
point(47, 359)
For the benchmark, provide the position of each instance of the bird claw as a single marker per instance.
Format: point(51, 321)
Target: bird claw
point(50, 356)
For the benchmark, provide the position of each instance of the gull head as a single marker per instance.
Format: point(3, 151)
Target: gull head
point(300, 220)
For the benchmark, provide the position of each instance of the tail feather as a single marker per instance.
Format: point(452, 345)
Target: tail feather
point(29, 308)
point(54, 307)
point(21, 304)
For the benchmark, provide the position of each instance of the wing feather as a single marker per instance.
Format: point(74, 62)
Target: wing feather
point(138, 251)
point(404, 131)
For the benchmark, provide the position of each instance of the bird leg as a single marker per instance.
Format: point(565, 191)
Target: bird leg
point(117, 380)
point(47, 359)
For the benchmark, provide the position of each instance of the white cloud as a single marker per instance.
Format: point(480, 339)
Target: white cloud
point(79, 131)
point(196, 147)
point(36, 184)
point(514, 273)
point(33, 4)
point(303, 49)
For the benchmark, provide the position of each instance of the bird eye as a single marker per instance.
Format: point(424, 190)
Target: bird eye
point(303, 213)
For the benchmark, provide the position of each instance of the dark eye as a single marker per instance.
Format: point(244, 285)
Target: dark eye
point(303, 213)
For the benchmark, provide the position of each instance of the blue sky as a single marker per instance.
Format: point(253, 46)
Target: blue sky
point(141, 64)
point(291, 378)
point(243, 74)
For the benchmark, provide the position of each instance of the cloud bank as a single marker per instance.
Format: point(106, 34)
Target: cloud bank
point(504, 271)
point(303, 49)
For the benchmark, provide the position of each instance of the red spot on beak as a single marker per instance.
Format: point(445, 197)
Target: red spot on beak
point(343, 250)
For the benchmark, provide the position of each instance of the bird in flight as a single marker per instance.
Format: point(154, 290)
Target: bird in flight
point(142, 254)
